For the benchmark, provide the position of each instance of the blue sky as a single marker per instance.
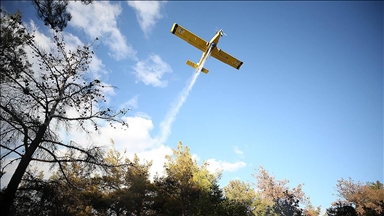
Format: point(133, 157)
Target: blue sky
point(307, 104)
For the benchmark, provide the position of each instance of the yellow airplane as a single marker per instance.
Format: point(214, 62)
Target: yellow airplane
point(208, 48)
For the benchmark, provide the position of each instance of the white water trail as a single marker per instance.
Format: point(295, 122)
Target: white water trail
point(165, 125)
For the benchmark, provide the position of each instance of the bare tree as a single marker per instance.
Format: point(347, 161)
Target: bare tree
point(366, 199)
point(278, 195)
point(36, 99)
point(271, 189)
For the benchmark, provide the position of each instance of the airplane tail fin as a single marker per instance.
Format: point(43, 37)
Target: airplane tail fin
point(194, 65)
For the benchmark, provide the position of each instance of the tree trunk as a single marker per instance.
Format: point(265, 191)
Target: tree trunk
point(10, 191)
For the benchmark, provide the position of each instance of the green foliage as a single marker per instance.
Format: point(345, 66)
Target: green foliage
point(261, 207)
point(241, 193)
point(341, 209)
point(190, 189)
point(125, 188)
point(54, 196)
point(185, 185)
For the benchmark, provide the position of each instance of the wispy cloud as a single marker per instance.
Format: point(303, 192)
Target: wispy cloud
point(222, 166)
point(147, 13)
point(99, 20)
point(238, 151)
point(151, 71)
point(131, 103)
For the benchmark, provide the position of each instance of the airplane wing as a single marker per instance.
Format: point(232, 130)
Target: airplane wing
point(188, 36)
point(226, 58)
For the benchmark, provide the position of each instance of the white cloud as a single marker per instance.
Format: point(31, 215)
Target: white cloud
point(134, 139)
point(147, 13)
point(218, 166)
point(151, 71)
point(41, 39)
point(99, 20)
point(9, 170)
point(238, 151)
point(131, 103)
point(96, 67)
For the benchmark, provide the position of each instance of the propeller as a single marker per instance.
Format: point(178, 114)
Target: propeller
point(222, 32)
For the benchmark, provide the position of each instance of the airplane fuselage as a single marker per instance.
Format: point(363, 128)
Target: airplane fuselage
point(211, 45)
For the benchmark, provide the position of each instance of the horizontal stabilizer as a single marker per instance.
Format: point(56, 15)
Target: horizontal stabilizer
point(204, 70)
point(194, 65)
